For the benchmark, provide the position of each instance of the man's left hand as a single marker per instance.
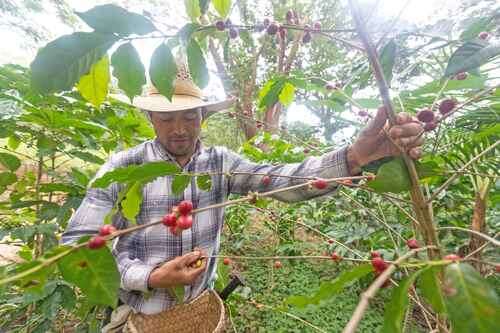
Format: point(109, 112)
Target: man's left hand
point(373, 142)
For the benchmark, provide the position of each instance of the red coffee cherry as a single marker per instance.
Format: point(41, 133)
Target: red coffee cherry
point(107, 229)
point(185, 207)
point(184, 222)
point(233, 33)
point(272, 29)
point(375, 254)
point(453, 257)
point(266, 180)
point(277, 264)
point(425, 115)
point(226, 261)
point(461, 76)
point(447, 105)
point(220, 25)
point(330, 241)
point(170, 220)
point(412, 243)
point(379, 264)
point(484, 35)
point(320, 184)
point(363, 113)
point(96, 242)
point(336, 257)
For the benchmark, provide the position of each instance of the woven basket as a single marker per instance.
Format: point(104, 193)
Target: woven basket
point(204, 314)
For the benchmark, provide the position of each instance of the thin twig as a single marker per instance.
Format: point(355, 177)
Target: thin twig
point(373, 289)
point(477, 233)
point(259, 305)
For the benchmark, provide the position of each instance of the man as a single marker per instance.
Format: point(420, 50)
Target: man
point(153, 259)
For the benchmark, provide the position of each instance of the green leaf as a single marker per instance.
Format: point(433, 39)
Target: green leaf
point(222, 7)
point(7, 178)
point(61, 63)
point(204, 6)
point(269, 94)
point(131, 173)
point(197, 64)
point(329, 289)
point(13, 142)
point(129, 70)
point(287, 94)
point(204, 182)
point(369, 103)
point(472, 304)
point(94, 86)
point(470, 56)
point(180, 183)
point(193, 9)
point(94, 272)
point(113, 19)
point(387, 59)
point(131, 205)
point(391, 177)
point(396, 307)
point(87, 157)
point(163, 70)
point(10, 161)
point(187, 30)
point(429, 285)
point(477, 25)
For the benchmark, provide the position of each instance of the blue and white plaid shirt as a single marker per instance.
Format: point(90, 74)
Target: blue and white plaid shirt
point(138, 253)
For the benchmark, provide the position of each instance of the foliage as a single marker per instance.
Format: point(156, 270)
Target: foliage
point(57, 117)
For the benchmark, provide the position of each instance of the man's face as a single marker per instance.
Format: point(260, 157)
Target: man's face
point(178, 131)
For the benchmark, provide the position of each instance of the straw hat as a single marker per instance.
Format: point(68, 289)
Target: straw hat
point(187, 95)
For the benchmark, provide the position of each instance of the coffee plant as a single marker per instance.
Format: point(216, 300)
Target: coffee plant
point(425, 230)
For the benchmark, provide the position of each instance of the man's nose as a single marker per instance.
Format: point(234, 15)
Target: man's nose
point(179, 127)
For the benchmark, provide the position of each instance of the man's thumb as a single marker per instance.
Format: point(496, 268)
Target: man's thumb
point(379, 121)
point(190, 257)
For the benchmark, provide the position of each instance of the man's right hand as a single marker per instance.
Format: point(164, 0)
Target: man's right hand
point(178, 271)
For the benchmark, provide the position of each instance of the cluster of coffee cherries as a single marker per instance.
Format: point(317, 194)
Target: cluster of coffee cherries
point(179, 218)
point(98, 241)
point(428, 117)
point(273, 28)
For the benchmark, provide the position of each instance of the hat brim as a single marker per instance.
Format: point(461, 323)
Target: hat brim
point(159, 103)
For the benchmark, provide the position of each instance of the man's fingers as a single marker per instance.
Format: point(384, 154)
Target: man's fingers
point(403, 118)
point(190, 258)
point(406, 130)
point(412, 141)
point(377, 123)
point(415, 153)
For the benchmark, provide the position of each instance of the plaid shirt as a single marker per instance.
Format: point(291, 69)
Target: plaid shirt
point(138, 253)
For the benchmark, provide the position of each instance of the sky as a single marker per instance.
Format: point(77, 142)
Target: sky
point(416, 12)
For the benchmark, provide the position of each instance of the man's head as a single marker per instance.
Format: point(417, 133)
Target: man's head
point(178, 131)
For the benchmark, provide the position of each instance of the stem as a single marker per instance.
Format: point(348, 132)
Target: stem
point(477, 233)
point(420, 207)
point(284, 257)
point(258, 305)
point(372, 290)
